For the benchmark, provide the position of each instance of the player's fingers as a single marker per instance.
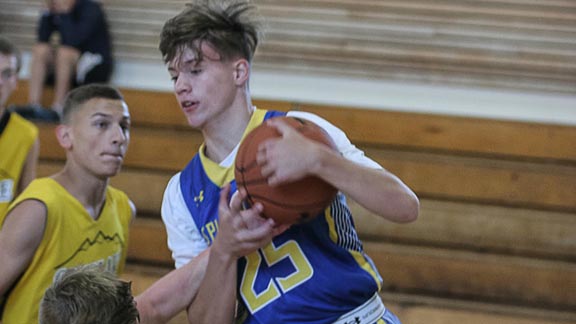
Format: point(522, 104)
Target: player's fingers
point(279, 229)
point(236, 202)
point(259, 234)
point(267, 170)
point(223, 202)
point(280, 125)
point(265, 150)
point(261, 157)
point(252, 217)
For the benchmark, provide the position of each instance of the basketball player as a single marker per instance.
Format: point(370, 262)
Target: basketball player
point(315, 272)
point(18, 137)
point(73, 217)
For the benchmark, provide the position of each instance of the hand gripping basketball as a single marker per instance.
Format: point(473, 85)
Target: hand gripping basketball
point(288, 203)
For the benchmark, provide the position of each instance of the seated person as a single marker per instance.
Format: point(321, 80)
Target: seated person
point(73, 48)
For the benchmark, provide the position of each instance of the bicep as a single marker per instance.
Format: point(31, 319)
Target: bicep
point(20, 236)
point(184, 239)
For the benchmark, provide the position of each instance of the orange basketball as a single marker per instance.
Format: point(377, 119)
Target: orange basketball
point(288, 203)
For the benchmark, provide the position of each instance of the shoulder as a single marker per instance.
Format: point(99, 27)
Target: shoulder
point(121, 203)
point(117, 195)
point(40, 193)
point(174, 180)
point(173, 187)
point(40, 188)
point(24, 126)
point(173, 204)
point(46, 190)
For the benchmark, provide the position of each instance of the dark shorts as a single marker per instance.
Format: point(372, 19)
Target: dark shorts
point(99, 73)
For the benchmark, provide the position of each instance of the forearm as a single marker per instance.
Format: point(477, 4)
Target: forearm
point(172, 293)
point(216, 298)
point(375, 189)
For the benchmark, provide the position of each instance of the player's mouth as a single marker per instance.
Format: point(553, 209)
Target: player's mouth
point(189, 106)
point(113, 156)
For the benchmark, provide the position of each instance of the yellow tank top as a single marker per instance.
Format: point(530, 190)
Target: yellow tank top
point(15, 143)
point(71, 238)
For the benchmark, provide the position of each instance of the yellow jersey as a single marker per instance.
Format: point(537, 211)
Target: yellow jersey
point(16, 140)
point(71, 238)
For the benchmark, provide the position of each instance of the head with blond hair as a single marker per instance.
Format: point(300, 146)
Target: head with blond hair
point(88, 295)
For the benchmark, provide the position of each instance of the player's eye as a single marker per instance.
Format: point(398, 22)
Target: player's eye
point(101, 124)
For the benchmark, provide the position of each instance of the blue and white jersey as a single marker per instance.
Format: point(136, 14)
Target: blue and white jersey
point(317, 268)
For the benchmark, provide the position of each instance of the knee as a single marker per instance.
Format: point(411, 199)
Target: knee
point(67, 54)
point(42, 52)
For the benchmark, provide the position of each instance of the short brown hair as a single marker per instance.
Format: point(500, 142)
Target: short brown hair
point(232, 27)
point(80, 95)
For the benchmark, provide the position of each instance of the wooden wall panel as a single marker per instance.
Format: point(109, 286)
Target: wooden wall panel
point(472, 136)
point(476, 275)
point(483, 180)
point(476, 227)
point(148, 243)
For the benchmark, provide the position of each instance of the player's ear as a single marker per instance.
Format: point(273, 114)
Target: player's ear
point(241, 71)
point(64, 136)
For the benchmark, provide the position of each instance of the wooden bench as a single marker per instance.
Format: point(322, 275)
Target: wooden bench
point(498, 206)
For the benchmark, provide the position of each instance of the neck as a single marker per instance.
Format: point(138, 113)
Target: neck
point(89, 190)
point(224, 134)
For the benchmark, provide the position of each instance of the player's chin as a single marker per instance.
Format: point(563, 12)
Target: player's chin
point(193, 122)
point(110, 170)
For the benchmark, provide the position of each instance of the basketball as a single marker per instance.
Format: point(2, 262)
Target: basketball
point(288, 203)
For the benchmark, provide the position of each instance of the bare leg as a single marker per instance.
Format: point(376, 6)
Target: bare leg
point(66, 59)
point(41, 58)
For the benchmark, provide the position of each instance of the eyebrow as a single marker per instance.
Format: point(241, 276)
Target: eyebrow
point(100, 114)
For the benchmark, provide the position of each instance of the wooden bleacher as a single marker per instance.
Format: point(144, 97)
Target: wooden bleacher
point(496, 238)
point(501, 44)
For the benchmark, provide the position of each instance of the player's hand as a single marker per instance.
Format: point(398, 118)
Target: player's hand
point(288, 158)
point(241, 232)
